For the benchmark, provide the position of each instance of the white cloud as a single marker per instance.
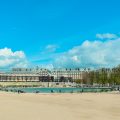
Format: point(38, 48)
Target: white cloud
point(75, 58)
point(9, 59)
point(106, 36)
point(51, 48)
point(91, 54)
point(47, 66)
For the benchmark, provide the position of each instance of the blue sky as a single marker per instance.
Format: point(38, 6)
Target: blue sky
point(45, 30)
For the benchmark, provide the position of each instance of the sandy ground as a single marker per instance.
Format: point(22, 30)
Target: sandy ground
point(86, 106)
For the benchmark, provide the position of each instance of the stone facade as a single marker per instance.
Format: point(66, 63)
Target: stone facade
point(42, 75)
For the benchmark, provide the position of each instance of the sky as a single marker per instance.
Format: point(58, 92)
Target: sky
point(59, 33)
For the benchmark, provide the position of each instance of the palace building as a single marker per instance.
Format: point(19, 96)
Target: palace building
point(42, 75)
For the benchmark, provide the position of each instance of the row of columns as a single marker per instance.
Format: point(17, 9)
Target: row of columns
point(19, 78)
